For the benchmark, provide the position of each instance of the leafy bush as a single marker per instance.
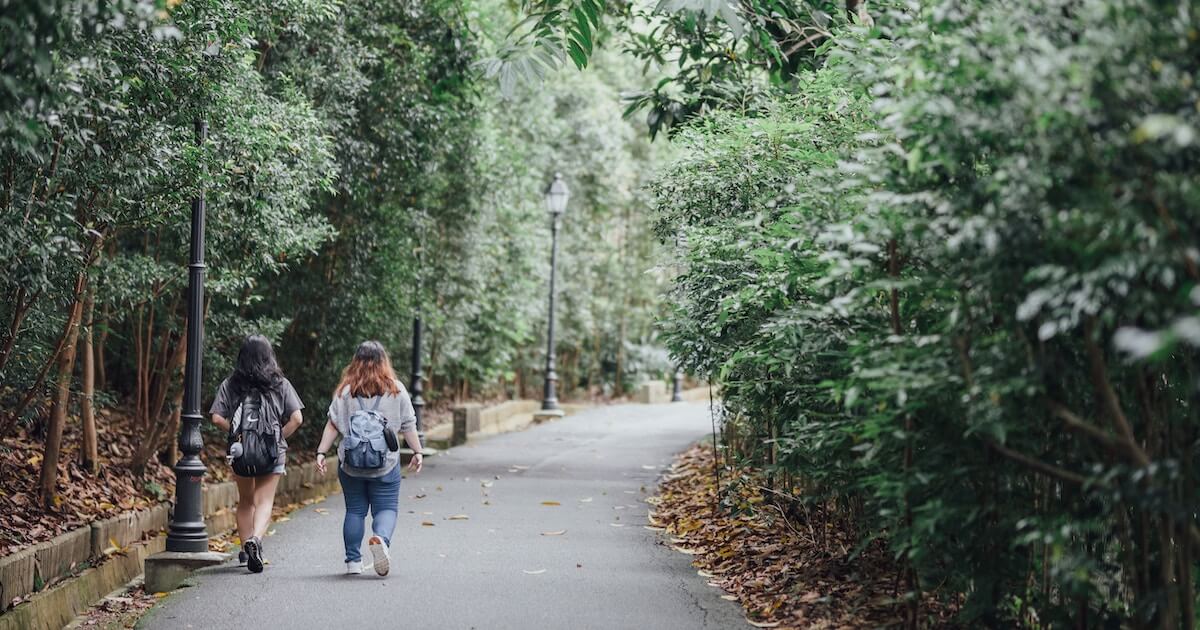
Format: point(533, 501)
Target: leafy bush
point(965, 317)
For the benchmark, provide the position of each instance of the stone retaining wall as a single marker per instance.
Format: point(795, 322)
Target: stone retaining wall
point(471, 418)
point(29, 570)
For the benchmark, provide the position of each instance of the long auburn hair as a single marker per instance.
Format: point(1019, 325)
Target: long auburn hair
point(369, 373)
point(256, 368)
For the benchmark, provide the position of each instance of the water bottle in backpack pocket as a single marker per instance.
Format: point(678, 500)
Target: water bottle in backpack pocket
point(253, 437)
point(365, 440)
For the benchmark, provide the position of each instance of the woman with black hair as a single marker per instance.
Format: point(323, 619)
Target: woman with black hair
point(257, 383)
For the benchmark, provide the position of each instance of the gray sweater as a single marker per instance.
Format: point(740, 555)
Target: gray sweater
point(398, 411)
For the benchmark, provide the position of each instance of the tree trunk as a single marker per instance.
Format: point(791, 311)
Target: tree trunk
point(48, 481)
point(20, 310)
point(156, 424)
point(172, 436)
point(89, 455)
point(55, 356)
point(101, 341)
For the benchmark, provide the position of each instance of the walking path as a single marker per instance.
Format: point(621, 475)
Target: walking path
point(496, 568)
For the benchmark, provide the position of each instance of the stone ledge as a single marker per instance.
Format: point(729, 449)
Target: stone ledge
point(56, 558)
point(58, 606)
point(652, 393)
point(166, 570)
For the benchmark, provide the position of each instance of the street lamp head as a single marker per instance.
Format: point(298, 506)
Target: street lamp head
point(556, 196)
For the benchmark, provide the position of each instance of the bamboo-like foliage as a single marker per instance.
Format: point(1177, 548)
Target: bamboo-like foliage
point(950, 292)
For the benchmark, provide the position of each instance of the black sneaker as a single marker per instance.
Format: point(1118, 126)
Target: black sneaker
point(253, 549)
point(242, 558)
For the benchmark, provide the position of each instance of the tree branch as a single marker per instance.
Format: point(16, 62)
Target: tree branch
point(1049, 470)
point(1098, 371)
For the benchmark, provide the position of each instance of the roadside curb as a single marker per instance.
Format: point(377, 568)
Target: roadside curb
point(117, 543)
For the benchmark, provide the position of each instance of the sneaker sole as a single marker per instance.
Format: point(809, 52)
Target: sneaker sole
point(379, 552)
point(253, 557)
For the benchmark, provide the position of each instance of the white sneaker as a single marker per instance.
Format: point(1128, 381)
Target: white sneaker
point(354, 568)
point(380, 551)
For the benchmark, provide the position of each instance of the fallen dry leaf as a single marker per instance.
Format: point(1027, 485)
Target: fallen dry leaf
point(458, 517)
point(555, 533)
point(427, 523)
point(551, 503)
point(767, 558)
point(321, 511)
point(534, 572)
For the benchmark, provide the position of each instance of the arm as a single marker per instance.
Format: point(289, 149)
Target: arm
point(408, 428)
point(221, 422)
point(293, 423)
point(327, 438)
point(414, 442)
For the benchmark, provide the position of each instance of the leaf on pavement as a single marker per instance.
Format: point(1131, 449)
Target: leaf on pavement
point(458, 517)
point(427, 523)
point(321, 511)
point(551, 503)
point(535, 572)
point(559, 532)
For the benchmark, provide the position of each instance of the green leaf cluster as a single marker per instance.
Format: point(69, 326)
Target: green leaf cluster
point(950, 295)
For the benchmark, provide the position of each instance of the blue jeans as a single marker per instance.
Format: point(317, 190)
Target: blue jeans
point(381, 496)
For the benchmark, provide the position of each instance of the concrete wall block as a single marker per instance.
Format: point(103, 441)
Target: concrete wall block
point(471, 414)
point(220, 523)
point(218, 495)
point(57, 556)
point(58, 606)
point(458, 435)
point(493, 417)
point(150, 521)
point(113, 531)
point(16, 576)
point(653, 393)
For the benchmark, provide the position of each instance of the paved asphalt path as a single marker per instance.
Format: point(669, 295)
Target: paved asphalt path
point(496, 569)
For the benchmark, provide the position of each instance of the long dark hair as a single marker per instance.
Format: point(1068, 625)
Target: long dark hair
point(369, 373)
point(256, 367)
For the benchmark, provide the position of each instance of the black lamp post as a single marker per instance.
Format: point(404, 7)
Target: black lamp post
point(556, 204)
point(187, 531)
point(416, 387)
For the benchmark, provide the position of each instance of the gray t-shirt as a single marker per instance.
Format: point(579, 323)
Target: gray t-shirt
point(396, 409)
point(283, 400)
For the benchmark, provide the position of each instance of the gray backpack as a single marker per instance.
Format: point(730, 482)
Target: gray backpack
point(366, 443)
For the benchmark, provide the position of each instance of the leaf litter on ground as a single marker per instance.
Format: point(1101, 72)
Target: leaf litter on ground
point(783, 578)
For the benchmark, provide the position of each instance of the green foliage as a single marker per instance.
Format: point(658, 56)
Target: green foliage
point(711, 54)
point(357, 173)
point(961, 317)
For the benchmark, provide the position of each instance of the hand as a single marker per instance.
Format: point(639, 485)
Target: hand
point(415, 464)
point(321, 463)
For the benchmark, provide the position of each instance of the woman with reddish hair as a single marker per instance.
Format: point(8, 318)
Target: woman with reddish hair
point(370, 408)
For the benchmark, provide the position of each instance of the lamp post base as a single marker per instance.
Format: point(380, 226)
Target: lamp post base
point(544, 415)
point(165, 571)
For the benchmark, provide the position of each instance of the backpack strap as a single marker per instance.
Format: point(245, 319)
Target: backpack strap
point(378, 400)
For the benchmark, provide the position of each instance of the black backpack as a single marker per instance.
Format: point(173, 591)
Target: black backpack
point(254, 435)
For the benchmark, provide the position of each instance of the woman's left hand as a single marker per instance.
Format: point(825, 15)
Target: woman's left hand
point(415, 464)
